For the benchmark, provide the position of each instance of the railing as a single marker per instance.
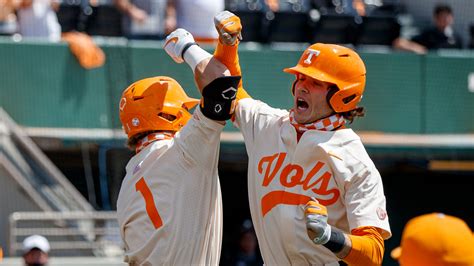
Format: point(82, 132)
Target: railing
point(33, 170)
point(69, 233)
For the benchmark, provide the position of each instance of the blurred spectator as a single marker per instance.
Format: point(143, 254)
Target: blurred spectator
point(247, 253)
point(1, 254)
point(144, 19)
point(7, 17)
point(441, 35)
point(38, 19)
point(273, 5)
point(354, 7)
point(362, 8)
point(436, 240)
point(196, 16)
point(35, 250)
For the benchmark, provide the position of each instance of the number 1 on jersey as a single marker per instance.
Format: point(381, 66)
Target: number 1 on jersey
point(151, 209)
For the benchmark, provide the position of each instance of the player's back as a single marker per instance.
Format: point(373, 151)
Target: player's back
point(169, 207)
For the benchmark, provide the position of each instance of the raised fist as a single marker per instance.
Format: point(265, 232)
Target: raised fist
point(176, 44)
point(229, 27)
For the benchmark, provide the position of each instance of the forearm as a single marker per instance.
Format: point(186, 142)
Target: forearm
point(170, 8)
point(364, 247)
point(407, 45)
point(228, 55)
point(170, 16)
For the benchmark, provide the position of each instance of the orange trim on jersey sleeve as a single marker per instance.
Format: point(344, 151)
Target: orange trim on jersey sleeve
point(367, 247)
point(241, 93)
point(228, 56)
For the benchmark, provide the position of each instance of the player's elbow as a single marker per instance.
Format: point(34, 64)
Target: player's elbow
point(367, 247)
point(208, 70)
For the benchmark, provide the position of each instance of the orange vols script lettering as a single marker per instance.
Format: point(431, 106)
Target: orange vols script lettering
point(293, 175)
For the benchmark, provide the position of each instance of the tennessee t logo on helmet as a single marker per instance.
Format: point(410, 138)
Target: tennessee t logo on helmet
point(311, 52)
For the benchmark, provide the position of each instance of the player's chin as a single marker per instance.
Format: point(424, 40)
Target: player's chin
point(301, 117)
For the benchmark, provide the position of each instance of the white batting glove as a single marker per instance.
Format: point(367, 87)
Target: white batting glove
point(317, 227)
point(176, 42)
point(229, 27)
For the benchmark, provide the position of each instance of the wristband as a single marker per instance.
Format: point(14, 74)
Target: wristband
point(336, 241)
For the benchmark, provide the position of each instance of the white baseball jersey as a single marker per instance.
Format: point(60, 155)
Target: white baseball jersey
point(169, 207)
point(284, 173)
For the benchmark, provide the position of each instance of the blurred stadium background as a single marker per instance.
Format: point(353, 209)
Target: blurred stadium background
point(63, 152)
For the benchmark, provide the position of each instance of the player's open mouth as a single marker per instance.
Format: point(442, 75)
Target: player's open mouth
point(301, 104)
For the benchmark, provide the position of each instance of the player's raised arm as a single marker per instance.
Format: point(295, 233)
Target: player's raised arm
point(212, 78)
point(229, 28)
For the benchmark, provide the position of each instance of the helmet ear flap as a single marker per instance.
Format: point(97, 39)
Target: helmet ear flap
point(333, 89)
point(347, 99)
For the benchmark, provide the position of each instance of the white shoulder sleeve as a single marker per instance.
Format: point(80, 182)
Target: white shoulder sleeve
point(252, 115)
point(199, 138)
point(365, 201)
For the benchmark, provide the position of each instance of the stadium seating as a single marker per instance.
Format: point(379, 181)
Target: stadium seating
point(105, 20)
point(334, 29)
point(255, 25)
point(377, 30)
point(68, 17)
point(289, 27)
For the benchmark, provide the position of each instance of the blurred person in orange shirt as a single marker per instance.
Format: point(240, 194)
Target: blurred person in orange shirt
point(435, 239)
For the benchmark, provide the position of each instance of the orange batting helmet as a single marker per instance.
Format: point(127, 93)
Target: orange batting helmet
point(157, 103)
point(337, 65)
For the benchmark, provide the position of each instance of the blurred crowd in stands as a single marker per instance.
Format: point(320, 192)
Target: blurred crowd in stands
point(352, 22)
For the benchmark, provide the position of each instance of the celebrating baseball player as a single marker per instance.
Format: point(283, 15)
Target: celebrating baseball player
point(315, 195)
point(170, 207)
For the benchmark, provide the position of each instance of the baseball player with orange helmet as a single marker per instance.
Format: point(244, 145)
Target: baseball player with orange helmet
point(435, 239)
point(169, 206)
point(315, 195)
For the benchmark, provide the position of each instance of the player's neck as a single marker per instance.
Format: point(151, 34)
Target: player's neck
point(152, 137)
point(330, 123)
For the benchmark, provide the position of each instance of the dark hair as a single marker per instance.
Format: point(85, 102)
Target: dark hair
point(350, 115)
point(442, 8)
point(132, 142)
